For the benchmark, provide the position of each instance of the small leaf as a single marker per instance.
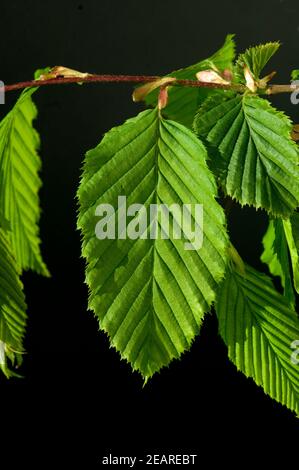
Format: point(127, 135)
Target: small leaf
point(39, 74)
point(20, 182)
point(183, 101)
point(291, 229)
point(257, 161)
point(295, 74)
point(150, 295)
point(259, 328)
point(276, 256)
point(255, 59)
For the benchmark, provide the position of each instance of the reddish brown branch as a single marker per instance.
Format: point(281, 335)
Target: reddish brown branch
point(118, 79)
point(92, 78)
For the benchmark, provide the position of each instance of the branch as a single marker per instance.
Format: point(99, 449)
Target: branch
point(90, 78)
point(275, 89)
point(93, 78)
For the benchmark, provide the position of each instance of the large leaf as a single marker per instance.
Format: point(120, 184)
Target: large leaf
point(183, 102)
point(257, 161)
point(150, 295)
point(12, 306)
point(259, 328)
point(20, 182)
point(276, 256)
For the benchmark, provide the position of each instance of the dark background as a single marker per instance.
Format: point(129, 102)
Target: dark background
point(78, 401)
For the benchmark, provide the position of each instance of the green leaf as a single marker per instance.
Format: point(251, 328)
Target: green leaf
point(295, 74)
point(42, 71)
point(291, 229)
point(150, 295)
point(12, 307)
point(255, 58)
point(183, 102)
point(20, 182)
point(256, 161)
point(276, 256)
point(281, 253)
point(259, 328)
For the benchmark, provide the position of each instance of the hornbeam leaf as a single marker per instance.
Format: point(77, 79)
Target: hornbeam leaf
point(12, 307)
point(150, 295)
point(259, 329)
point(183, 102)
point(256, 161)
point(255, 58)
point(295, 74)
point(291, 229)
point(20, 183)
point(276, 256)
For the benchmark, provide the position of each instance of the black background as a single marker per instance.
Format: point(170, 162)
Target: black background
point(78, 401)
